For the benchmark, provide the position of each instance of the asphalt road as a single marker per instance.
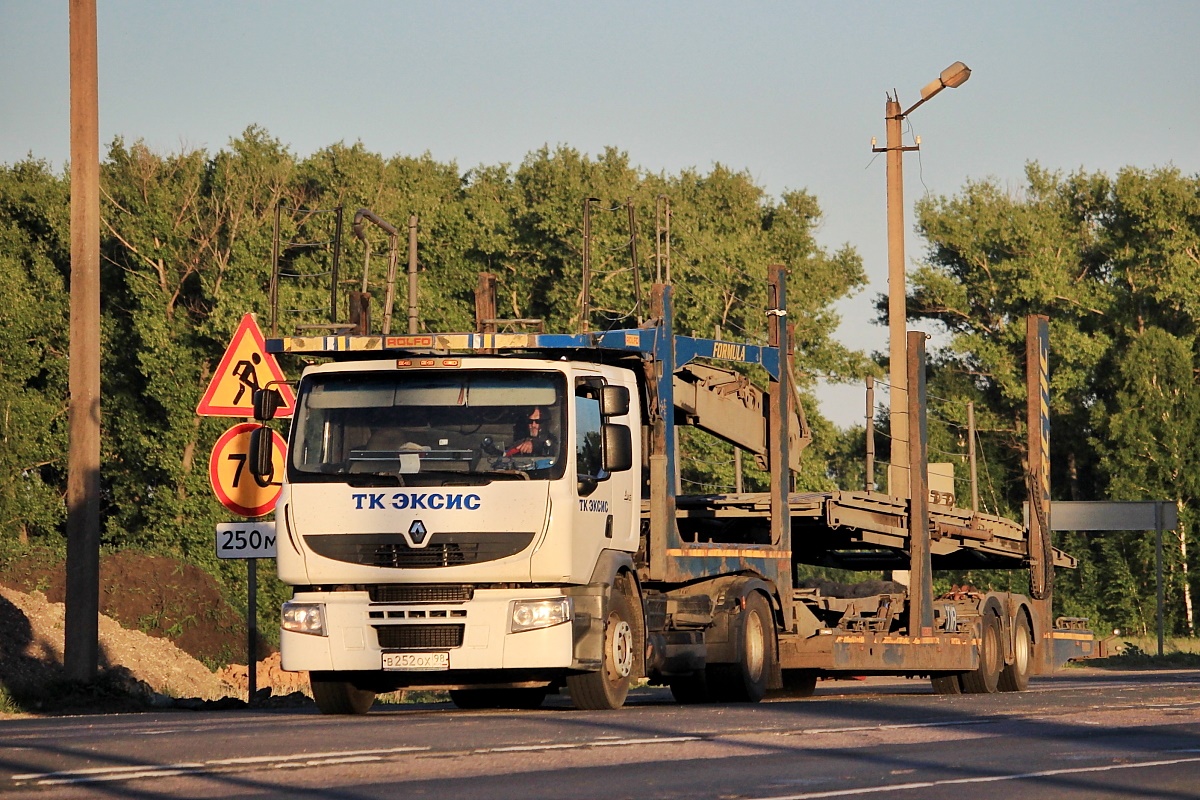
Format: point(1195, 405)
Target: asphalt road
point(1081, 734)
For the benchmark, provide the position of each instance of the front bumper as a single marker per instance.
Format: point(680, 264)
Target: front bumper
point(355, 626)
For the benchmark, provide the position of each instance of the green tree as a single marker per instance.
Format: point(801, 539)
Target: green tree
point(34, 324)
point(1108, 260)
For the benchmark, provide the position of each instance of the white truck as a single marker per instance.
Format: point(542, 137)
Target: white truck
point(435, 539)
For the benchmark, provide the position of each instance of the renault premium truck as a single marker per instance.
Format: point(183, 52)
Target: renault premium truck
point(497, 515)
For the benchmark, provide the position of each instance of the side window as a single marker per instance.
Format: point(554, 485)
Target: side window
point(588, 462)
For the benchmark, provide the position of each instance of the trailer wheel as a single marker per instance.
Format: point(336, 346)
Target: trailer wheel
point(469, 699)
point(946, 684)
point(985, 679)
point(608, 687)
point(1015, 676)
point(340, 697)
point(746, 680)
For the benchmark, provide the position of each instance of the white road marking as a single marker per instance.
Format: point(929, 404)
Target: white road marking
point(896, 726)
point(301, 760)
point(1049, 773)
point(605, 742)
point(97, 774)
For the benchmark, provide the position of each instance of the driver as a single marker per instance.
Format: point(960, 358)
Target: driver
point(537, 440)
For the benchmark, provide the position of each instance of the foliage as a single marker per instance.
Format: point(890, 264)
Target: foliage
point(186, 250)
point(1113, 263)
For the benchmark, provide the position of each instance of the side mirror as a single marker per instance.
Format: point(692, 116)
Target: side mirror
point(266, 404)
point(618, 446)
point(262, 450)
point(614, 401)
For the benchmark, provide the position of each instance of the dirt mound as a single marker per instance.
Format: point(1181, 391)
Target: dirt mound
point(269, 674)
point(31, 652)
point(137, 670)
point(158, 596)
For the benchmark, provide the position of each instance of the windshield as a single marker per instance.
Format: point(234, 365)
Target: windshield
point(428, 428)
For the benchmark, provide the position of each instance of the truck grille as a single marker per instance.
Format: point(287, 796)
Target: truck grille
point(420, 594)
point(419, 637)
point(443, 550)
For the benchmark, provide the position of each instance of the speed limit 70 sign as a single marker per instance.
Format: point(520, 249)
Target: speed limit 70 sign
point(238, 489)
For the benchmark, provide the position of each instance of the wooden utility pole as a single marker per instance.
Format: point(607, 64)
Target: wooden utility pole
point(83, 459)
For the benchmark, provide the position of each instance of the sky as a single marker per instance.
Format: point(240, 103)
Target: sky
point(790, 92)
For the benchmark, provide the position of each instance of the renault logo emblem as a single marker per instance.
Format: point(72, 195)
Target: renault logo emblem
point(418, 536)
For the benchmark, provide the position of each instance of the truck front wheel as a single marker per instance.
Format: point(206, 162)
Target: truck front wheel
point(340, 697)
point(608, 688)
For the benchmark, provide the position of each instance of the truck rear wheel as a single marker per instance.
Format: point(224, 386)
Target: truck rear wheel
point(946, 684)
point(985, 679)
point(746, 680)
point(798, 683)
point(608, 688)
point(340, 697)
point(498, 698)
point(1015, 676)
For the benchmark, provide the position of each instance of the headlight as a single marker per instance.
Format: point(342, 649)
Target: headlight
point(528, 615)
point(304, 618)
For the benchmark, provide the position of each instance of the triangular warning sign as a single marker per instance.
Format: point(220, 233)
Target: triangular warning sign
point(246, 366)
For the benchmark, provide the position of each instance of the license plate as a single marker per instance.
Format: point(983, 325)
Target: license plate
point(416, 661)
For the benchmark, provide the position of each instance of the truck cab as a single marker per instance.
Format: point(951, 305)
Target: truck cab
point(435, 532)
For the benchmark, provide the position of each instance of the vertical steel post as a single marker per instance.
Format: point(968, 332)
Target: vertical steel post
point(389, 298)
point(633, 262)
point(780, 398)
point(83, 458)
point(412, 274)
point(662, 436)
point(1037, 423)
point(971, 457)
point(337, 252)
point(251, 629)
point(585, 296)
point(1158, 569)
point(273, 289)
point(920, 587)
point(870, 477)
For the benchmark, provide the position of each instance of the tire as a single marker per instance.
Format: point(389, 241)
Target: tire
point(946, 684)
point(798, 683)
point(470, 699)
point(746, 680)
point(1015, 676)
point(608, 688)
point(986, 678)
point(689, 690)
point(340, 697)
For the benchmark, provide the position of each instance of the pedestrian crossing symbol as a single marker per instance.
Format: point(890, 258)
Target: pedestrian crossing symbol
point(246, 366)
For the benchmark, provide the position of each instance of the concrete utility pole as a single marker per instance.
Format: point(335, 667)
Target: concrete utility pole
point(953, 76)
point(83, 459)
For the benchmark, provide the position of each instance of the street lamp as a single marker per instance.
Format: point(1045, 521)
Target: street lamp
point(952, 76)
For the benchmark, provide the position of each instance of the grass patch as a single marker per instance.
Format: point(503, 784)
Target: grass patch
point(1142, 653)
point(408, 697)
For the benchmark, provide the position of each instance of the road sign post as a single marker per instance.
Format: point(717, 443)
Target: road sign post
point(243, 493)
point(1099, 515)
point(245, 367)
point(250, 541)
